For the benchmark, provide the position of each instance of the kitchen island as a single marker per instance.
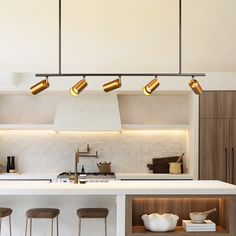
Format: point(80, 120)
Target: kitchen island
point(124, 200)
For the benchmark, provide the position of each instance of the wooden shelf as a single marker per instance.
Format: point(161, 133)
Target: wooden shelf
point(141, 231)
point(26, 126)
point(155, 127)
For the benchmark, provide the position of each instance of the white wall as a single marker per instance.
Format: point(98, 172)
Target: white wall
point(47, 151)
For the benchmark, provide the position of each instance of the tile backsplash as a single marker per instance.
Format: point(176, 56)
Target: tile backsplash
point(129, 151)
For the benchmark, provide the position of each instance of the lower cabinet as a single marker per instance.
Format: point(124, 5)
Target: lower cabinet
point(217, 145)
point(224, 217)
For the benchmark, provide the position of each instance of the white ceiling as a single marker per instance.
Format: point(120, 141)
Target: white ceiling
point(117, 35)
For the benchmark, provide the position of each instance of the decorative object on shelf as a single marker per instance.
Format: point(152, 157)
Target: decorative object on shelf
point(175, 167)
point(12, 165)
point(148, 89)
point(82, 176)
point(104, 167)
point(206, 226)
point(160, 223)
point(161, 165)
point(199, 217)
point(8, 164)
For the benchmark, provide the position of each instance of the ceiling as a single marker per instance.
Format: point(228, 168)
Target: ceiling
point(117, 35)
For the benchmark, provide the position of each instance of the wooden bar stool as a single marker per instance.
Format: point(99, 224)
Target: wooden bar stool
point(84, 213)
point(42, 213)
point(4, 212)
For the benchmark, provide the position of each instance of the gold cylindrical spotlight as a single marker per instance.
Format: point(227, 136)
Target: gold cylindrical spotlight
point(151, 86)
point(195, 86)
point(115, 84)
point(39, 87)
point(79, 87)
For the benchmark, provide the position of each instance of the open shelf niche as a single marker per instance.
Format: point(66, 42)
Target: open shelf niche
point(224, 217)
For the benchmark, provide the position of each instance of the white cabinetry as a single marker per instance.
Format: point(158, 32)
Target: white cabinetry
point(162, 111)
point(27, 112)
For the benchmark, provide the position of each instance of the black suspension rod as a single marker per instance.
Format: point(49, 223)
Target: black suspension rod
point(180, 36)
point(179, 74)
point(122, 74)
point(59, 55)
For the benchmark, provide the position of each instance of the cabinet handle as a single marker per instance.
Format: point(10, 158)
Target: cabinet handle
point(232, 166)
point(226, 165)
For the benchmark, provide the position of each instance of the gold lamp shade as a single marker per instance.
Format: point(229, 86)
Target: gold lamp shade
point(115, 84)
point(195, 86)
point(39, 87)
point(79, 87)
point(150, 87)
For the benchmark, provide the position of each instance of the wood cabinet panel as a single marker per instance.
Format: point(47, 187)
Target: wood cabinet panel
point(232, 150)
point(217, 104)
point(214, 149)
point(233, 104)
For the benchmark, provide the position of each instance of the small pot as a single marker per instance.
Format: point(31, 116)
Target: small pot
point(104, 167)
point(175, 168)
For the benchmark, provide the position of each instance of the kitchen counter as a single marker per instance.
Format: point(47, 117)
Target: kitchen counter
point(119, 187)
point(22, 195)
point(28, 176)
point(151, 176)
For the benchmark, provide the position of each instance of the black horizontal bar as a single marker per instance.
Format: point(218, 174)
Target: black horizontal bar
point(121, 74)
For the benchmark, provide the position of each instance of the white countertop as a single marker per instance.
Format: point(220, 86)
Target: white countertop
point(28, 176)
point(119, 187)
point(151, 176)
point(119, 176)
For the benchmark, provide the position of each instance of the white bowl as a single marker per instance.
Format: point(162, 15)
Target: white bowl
point(197, 217)
point(160, 223)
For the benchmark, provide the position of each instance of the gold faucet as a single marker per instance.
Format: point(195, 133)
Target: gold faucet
point(77, 155)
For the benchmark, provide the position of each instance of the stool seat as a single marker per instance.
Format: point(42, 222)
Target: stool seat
point(45, 213)
point(5, 212)
point(92, 212)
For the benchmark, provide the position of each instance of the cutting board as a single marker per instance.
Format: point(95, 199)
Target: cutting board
point(161, 165)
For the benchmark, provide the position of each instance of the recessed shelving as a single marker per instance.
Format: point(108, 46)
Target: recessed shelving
point(136, 206)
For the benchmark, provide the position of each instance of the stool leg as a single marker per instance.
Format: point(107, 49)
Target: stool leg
point(0, 226)
point(30, 226)
point(105, 226)
point(57, 227)
point(52, 228)
point(10, 225)
point(26, 226)
point(79, 229)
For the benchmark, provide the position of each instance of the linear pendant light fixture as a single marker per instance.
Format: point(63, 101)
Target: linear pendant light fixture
point(151, 86)
point(115, 84)
point(79, 87)
point(147, 90)
point(39, 87)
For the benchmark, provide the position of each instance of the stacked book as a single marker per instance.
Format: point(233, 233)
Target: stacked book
point(207, 226)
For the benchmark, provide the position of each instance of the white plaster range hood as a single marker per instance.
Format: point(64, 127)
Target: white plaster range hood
point(88, 112)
